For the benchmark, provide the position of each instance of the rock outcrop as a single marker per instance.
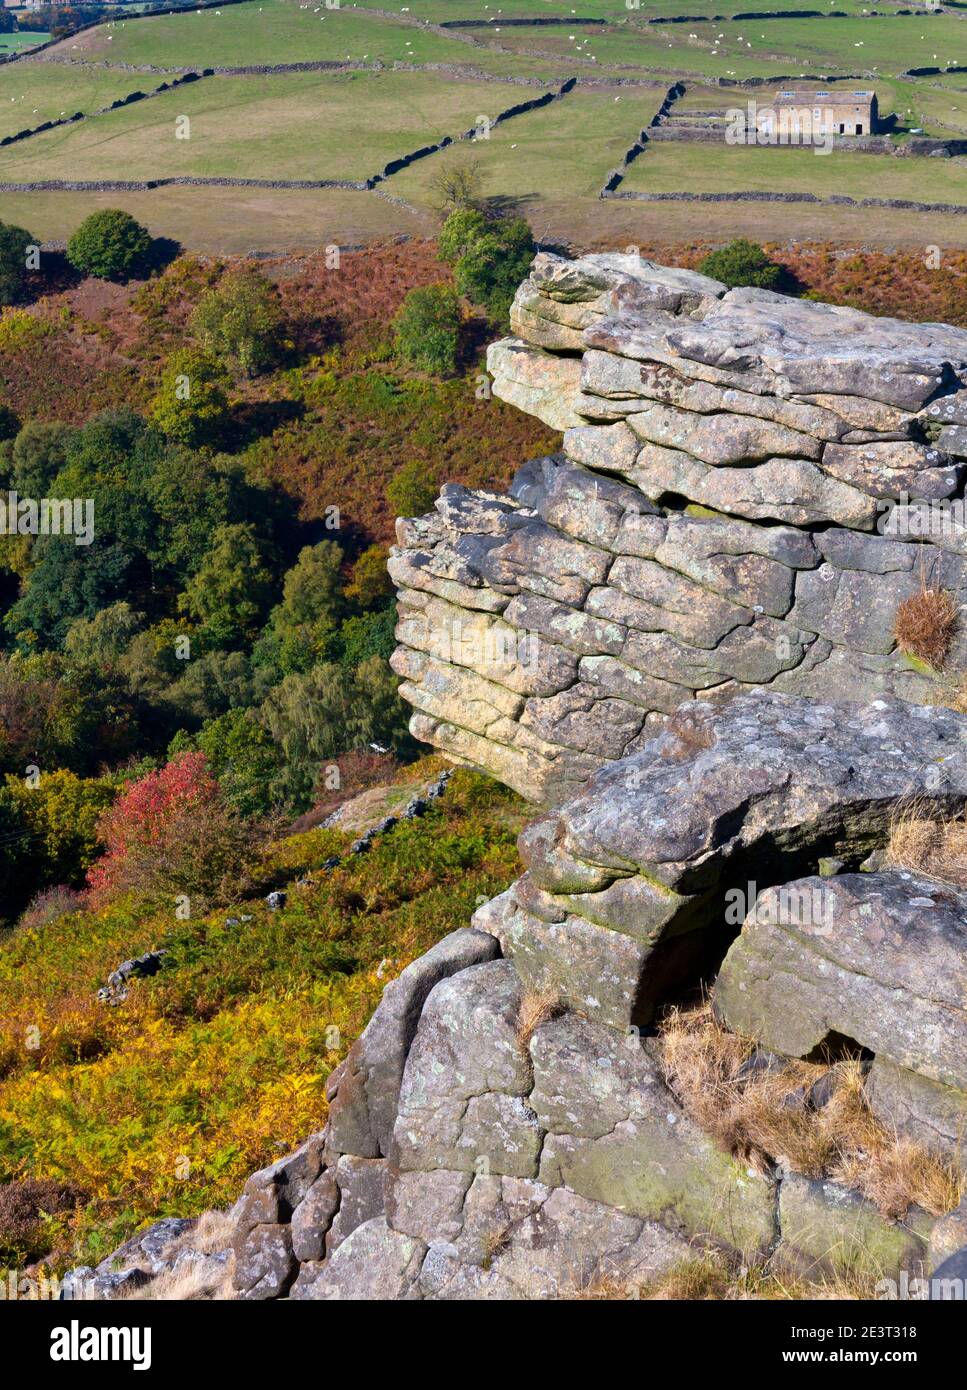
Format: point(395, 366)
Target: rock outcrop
point(709, 702)
point(504, 1128)
point(626, 891)
point(749, 487)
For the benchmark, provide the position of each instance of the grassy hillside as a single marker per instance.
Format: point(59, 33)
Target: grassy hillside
point(267, 31)
point(348, 126)
point(162, 1104)
point(301, 126)
point(569, 146)
point(32, 93)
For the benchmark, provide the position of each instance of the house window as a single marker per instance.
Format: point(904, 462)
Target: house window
point(859, 128)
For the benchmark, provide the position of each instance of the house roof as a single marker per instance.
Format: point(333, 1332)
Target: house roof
point(826, 96)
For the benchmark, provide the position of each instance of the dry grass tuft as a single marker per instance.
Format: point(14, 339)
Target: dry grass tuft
point(714, 1276)
point(210, 1235)
point(494, 1241)
point(537, 1006)
point(924, 625)
point(929, 844)
point(699, 1278)
point(193, 1280)
point(190, 1282)
point(762, 1117)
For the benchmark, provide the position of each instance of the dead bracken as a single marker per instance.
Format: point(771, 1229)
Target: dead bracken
point(763, 1115)
point(925, 625)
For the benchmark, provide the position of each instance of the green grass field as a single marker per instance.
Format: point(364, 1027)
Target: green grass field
point(436, 11)
point(721, 168)
point(301, 126)
point(329, 126)
point(267, 31)
point(568, 146)
point(750, 48)
point(22, 42)
point(31, 93)
point(656, 49)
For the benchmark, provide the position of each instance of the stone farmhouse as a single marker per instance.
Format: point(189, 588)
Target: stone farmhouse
point(822, 110)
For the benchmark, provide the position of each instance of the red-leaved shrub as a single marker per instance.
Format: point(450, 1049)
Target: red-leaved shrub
point(171, 832)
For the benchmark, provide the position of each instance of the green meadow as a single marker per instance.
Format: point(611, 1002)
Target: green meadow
point(324, 125)
point(722, 168)
point(568, 146)
point(301, 126)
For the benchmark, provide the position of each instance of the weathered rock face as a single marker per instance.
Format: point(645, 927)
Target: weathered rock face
point(468, 1156)
point(676, 682)
point(743, 491)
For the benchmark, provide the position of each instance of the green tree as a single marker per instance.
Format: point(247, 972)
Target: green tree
point(312, 603)
point(38, 454)
point(13, 261)
point(68, 582)
point(243, 758)
point(150, 663)
point(457, 185)
point(368, 634)
point(191, 406)
point(232, 588)
point(742, 262)
point(62, 812)
point(316, 715)
point(102, 640)
point(109, 244)
point(370, 582)
point(460, 230)
point(493, 263)
point(192, 492)
point(428, 329)
point(213, 683)
point(412, 491)
point(111, 460)
point(241, 321)
point(56, 715)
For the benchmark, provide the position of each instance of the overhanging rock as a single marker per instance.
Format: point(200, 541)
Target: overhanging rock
point(626, 893)
point(749, 487)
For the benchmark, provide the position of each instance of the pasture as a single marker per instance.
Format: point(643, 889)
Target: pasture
point(721, 168)
point(300, 126)
point(568, 147)
point(551, 162)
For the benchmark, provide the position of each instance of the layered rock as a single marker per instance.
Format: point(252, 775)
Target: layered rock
point(740, 501)
point(678, 635)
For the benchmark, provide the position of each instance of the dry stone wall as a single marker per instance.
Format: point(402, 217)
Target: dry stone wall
point(749, 486)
